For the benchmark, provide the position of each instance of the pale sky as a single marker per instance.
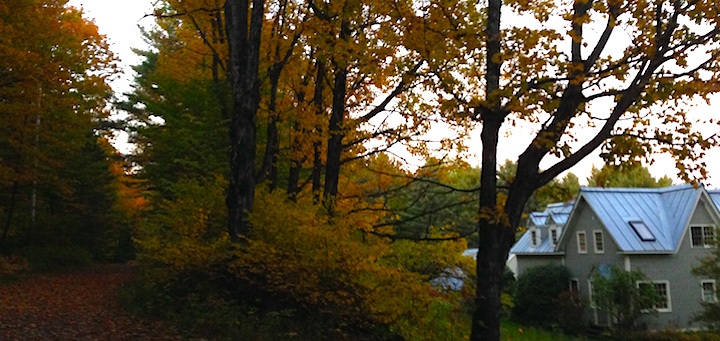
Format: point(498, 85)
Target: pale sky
point(119, 21)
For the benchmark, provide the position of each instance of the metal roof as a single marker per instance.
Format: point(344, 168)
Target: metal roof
point(557, 213)
point(664, 212)
point(715, 196)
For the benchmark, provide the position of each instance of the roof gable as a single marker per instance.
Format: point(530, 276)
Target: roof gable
point(554, 214)
point(664, 212)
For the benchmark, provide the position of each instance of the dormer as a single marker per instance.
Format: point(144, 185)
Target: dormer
point(537, 228)
point(555, 223)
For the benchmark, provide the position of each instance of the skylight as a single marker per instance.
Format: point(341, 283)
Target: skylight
point(642, 231)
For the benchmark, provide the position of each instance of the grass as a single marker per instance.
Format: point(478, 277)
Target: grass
point(510, 331)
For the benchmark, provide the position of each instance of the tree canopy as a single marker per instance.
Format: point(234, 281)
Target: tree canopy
point(288, 121)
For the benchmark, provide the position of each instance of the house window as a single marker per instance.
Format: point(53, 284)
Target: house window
point(702, 236)
point(534, 238)
point(709, 293)
point(581, 242)
point(553, 236)
point(591, 293)
point(574, 285)
point(663, 290)
point(599, 242)
point(642, 231)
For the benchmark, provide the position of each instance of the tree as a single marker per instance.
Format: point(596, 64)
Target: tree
point(244, 31)
point(554, 77)
point(54, 67)
point(622, 294)
point(709, 267)
point(626, 175)
point(536, 294)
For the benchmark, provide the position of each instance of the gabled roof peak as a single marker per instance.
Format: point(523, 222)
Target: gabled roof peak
point(638, 189)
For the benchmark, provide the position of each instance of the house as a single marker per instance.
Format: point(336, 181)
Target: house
point(661, 232)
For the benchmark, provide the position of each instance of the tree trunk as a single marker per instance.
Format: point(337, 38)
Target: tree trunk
point(269, 169)
point(334, 149)
point(244, 48)
point(493, 227)
point(490, 262)
point(10, 212)
point(317, 145)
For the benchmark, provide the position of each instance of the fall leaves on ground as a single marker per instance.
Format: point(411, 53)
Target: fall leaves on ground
point(79, 305)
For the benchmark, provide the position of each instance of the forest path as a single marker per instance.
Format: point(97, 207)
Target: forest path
point(80, 305)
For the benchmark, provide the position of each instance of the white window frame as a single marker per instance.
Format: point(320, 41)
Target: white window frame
point(577, 284)
point(590, 295)
point(554, 241)
point(595, 241)
point(705, 243)
point(534, 237)
point(584, 238)
point(669, 297)
point(714, 288)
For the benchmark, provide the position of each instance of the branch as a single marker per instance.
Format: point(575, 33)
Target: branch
point(400, 88)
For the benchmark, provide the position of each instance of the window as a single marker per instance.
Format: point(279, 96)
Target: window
point(581, 242)
point(702, 236)
point(709, 293)
point(642, 231)
point(574, 285)
point(599, 242)
point(553, 236)
point(591, 293)
point(663, 290)
point(534, 238)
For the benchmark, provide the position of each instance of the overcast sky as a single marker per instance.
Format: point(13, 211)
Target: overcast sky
point(119, 20)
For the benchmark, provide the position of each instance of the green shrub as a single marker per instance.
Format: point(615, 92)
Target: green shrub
point(537, 294)
point(56, 257)
point(570, 310)
point(620, 295)
point(13, 265)
point(666, 335)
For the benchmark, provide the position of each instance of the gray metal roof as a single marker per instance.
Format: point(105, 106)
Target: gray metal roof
point(523, 246)
point(557, 213)
point(664, 211)
point(715, 196)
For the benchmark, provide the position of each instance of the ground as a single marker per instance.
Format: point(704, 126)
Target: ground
point(80, 306)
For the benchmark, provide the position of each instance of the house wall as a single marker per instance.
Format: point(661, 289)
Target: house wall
point(581, 265)
point(527, 262)
point(685, 288)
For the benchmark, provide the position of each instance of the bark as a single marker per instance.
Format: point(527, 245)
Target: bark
point(490, 262)
point(11, 210)
point(244, 48)
point(335, 147)
point(492, 231)
point(317, 145)
point(269, 169)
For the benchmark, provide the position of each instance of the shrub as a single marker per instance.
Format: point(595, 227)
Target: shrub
point(13, 265)
point(56, 257)
point(620, 295)
point(537, 294)
point(570, 310)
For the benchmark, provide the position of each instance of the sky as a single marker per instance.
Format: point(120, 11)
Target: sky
point(119, 21)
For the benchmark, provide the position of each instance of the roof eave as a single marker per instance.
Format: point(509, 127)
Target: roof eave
point(539, 253)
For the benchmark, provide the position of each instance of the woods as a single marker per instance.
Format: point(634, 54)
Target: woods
point(274, 144)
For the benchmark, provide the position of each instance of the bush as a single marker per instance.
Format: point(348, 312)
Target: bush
point(56, 257)
point(301, 270)
point(666, 335)
point(537, 294)
point(13, 265)
point(570, 310)
point(620, 295)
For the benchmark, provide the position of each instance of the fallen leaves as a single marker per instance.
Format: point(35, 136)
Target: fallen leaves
point(74, 306)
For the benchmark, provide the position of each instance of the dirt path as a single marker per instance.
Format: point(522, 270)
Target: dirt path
point(75, 306)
